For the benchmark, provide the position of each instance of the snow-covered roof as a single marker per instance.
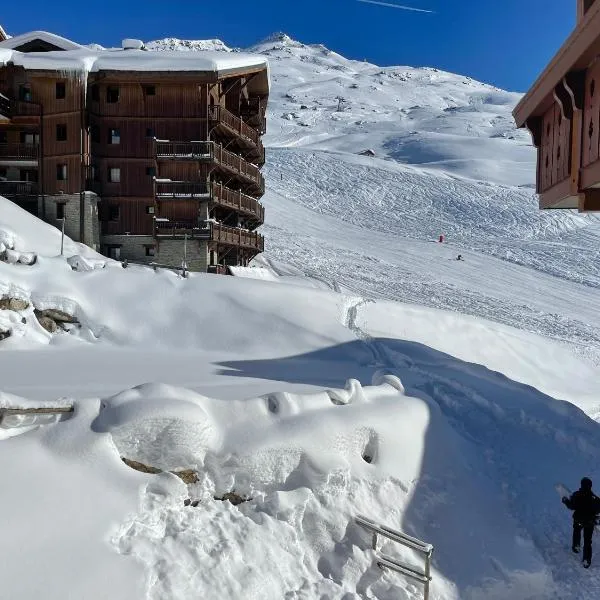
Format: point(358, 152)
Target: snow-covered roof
point(45, 36)
point(91, 60)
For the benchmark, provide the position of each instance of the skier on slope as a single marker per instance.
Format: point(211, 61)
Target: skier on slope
point(586, 507)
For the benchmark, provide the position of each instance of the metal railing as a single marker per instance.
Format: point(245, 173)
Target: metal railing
point(182, 189)
point(14, 418)
point(387, 562)
point(179, 229)
point(18, 188)
point(18, 151)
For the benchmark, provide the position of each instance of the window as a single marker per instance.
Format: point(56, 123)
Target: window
point(112, 94)
point(3, 173)
point(60, 210)
point(113, 212)
point(150, 251)
point(61, 133)
point(114, 137)
point(151, 171)
point(149, 210)
point(114, 252)
point(61, 90)
point(114, 175)
point(3, 136)
point(29, 138)
point(149, 90)
point(95, 93)
point(149, 132)
point(95, 133)
point(61, 172)
point(24, 93)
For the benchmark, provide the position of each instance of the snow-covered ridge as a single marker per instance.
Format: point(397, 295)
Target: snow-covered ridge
point(188, 45)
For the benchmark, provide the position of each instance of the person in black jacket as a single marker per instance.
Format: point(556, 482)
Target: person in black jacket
point(586, 507)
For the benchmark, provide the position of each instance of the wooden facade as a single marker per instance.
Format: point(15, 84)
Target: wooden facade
point(562, 112)
point(147, 143)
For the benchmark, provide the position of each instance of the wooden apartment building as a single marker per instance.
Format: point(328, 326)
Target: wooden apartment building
point(137, 151)
point(562, 112)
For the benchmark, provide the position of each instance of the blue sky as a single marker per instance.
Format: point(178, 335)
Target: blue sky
point(491, 40)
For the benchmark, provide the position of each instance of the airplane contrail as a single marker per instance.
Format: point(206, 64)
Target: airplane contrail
point(400, 6)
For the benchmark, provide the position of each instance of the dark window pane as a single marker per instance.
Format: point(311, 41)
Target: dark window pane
point(60, 210)
point(112, 94)
point(113, 212)
point(95, 133)
point(150, 90)
point(61, 172)
point(61, 133)
point(61, 90)
point(151, 171)
point(149, 132)
point(95, 93)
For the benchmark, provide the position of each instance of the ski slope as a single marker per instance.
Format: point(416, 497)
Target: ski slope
point(470, 386)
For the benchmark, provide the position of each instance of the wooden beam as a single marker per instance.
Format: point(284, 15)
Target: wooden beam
point(578, 51)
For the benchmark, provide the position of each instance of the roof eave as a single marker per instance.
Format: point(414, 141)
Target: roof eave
point(580, 49)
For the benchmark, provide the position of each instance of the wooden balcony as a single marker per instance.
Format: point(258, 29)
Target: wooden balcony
point(221, 116)
point(253, 113)
point(232, 236)
point(217, 194)
point(20, 189)
point(212, 152)
point(15, 151)
point(247, 136)
point(181, 190)
point(15, 109)
point(211, 232)
point(236, 200)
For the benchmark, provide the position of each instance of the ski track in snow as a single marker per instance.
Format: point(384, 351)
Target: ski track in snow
point(326, 223)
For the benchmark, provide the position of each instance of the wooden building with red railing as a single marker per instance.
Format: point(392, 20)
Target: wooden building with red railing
point(149, 155)
point(562, 112)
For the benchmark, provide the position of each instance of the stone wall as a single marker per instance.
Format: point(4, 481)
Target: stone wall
point(170, 252)
point(72, 204)
point(132, 247)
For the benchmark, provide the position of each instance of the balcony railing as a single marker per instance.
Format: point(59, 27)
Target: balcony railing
point(212, 152)
point(214, 232)
point(243, 203)
point(18, 108)
point(217, 193)
point(194, 190)
point(10, 189)
point(15, 151)
point(219, 114)
point(253, 110)
point(237, 237)
point(179, 229)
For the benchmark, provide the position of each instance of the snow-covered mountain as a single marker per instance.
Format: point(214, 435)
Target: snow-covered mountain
point(448, 160)
point(187, 45)
point(302, 389)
